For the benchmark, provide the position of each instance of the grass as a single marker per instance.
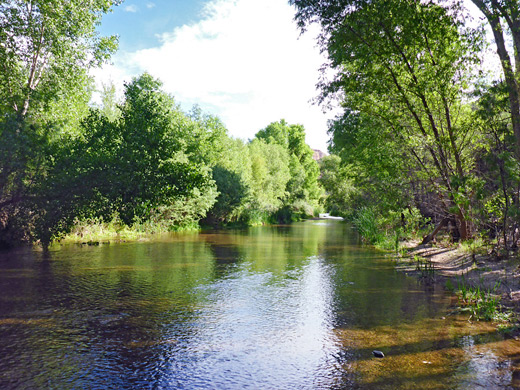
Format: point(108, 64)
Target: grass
point(365, 221)
point(425, 267)
point(483, 304)
point(93, 231)
point(387, 230)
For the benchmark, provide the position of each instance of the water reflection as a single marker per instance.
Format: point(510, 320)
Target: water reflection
point(284, 307)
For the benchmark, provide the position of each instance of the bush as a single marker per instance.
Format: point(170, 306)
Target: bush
point(365, 221)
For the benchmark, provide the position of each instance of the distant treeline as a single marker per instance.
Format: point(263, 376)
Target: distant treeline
point(141, 161)
point(145, 162)
point(427, 139)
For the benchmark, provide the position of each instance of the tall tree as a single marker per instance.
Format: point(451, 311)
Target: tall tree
point(496, 12)
point(405, 63)
point(46, 48)
point(137, 166)
point(269, 175)
point(337, 183)
point(303, 184)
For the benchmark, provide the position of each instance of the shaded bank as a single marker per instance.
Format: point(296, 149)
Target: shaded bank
point(459, 269)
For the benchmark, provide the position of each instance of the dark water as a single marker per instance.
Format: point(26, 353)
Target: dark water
point(287, 307)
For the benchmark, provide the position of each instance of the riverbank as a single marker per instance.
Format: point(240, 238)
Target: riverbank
point(453, 266)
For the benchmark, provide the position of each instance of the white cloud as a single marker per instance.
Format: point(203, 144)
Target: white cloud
point(150, 5)
point(131, 8)
point(110, 74)
point(243, 62)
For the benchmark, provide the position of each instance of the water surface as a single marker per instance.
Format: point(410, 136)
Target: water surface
point(283, 307)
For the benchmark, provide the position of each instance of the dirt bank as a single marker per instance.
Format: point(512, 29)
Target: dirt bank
point(483, 270)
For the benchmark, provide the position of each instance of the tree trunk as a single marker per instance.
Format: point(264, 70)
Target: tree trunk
point(432, 235)
point(462, 225)
point(493, 16)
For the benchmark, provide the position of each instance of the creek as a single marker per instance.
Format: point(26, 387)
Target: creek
point(275, 307)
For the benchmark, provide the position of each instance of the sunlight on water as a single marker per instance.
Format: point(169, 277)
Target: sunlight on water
point(283, 307)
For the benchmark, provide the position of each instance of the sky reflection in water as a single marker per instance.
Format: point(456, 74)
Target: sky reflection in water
point(271, 307)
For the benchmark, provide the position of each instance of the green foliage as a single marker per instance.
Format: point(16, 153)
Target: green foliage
point(46, 51)
point(232, 174)
point(271, 179)
point(338, 185)
point(23, 158)
point(483, 304)
point(497, 211)
point(269, 175)
point(366, 222)
point(401, 70)
point(302, 188)
point(136, 167)
point(181, 214)
point(207, 138)
point(276, 133)
point(374, 162)
point(148, 167)
point(233, 193)
point(504, 20)
point(109, 104)
point(95, 230)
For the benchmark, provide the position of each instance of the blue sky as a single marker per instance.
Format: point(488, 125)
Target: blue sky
point(243, 60)
point(139, 22)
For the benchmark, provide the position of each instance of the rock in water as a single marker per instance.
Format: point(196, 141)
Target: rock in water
point(378, 354)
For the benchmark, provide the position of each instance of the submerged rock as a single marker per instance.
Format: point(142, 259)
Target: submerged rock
point(378, 354)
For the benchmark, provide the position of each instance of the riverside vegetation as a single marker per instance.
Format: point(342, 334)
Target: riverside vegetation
point(139, 165)
point(428, 140)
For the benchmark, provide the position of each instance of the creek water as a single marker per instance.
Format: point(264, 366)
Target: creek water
point(279, 307)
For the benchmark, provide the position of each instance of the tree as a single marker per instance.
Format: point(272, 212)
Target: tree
point(370, 158)
point(109, 104)
point(405, 63)
point(136, 166)
point(497, 11)
point(499, 196)
point(232, 173)
point(46, 49)
point(338, 185)
point(269, 175)
point(303, 184)
point(233, 192)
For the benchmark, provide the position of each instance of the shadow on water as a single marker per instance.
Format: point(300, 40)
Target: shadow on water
point(283, 307)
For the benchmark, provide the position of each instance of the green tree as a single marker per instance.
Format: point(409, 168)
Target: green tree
point(233, 193)
point(498, 210)
point(269, 175)
point(233, 176)
point(338, 185)
point(373, 159)
point(46, 49)
point(207, 138)
point(405, 63)
point(109, 104)
point(496, 12)
point(137, 167)
point(303, 185)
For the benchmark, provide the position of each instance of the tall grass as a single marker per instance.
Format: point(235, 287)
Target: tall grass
point(483, 304)
point(365, 220)
point(386, 230)
point(96, 229)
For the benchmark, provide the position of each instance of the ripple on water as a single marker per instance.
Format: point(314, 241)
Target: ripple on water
point(293, 307)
